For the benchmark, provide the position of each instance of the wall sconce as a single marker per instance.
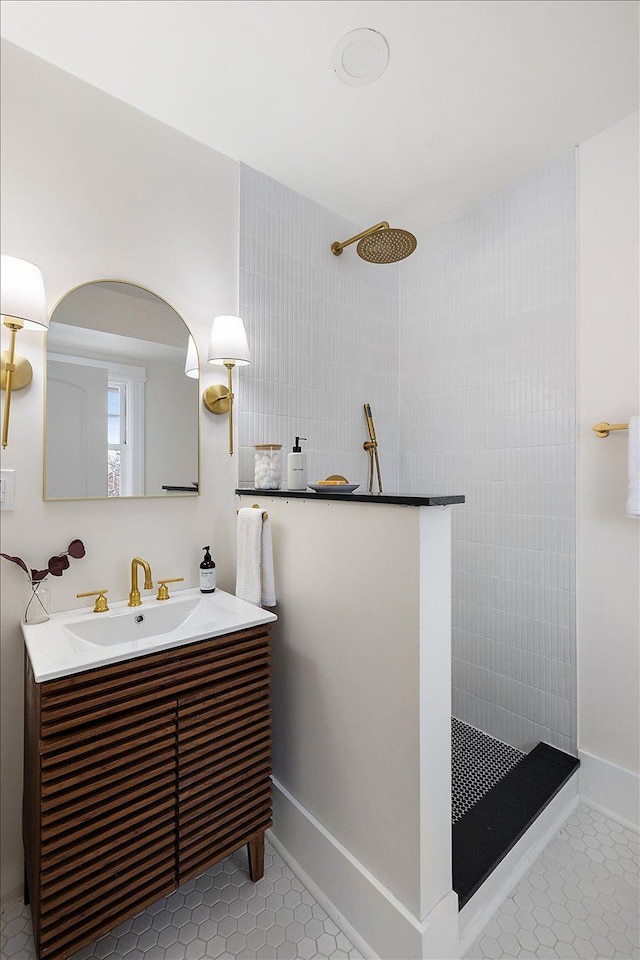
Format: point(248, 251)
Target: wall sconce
point(191, 364)
point(228, 346)
point(23, 307)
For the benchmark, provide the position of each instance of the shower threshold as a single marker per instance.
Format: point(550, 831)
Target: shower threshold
point(496, 800)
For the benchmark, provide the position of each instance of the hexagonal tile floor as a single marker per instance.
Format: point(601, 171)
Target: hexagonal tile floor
point(579, 899)
point(220, 915)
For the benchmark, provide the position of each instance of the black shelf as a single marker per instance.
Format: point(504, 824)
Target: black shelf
point(398, 499)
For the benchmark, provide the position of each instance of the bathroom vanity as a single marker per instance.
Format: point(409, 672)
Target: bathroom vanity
point(140, 774)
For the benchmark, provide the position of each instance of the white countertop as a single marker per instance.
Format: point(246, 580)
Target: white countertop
point(57, 648)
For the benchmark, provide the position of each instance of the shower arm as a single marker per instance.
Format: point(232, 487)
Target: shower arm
point(337, 247)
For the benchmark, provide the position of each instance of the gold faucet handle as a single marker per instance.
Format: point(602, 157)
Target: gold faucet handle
point(100, 605)
point(163, 593)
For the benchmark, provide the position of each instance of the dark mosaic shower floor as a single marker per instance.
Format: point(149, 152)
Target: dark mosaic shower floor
point(478, 762)
point(496, 794)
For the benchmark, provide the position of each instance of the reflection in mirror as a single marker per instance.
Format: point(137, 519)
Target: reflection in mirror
point(121, 415)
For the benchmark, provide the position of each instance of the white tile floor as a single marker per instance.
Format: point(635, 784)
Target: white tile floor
point(580, 899)
point(220, 915)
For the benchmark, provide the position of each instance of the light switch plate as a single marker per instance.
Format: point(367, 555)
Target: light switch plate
point(7, 489)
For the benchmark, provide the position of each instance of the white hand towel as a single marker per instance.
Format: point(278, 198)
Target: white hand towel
point(633, 498)
point(268, 578)
point(255, 579)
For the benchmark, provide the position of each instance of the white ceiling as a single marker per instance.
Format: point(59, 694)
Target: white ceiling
point(476, 93)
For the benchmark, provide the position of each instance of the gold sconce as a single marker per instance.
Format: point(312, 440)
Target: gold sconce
point(228, 347)
point(23, 307)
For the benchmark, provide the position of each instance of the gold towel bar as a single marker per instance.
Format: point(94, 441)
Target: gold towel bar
point(602, 429)
point(256, 506)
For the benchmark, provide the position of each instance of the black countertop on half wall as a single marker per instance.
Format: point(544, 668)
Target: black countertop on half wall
point(397, 498)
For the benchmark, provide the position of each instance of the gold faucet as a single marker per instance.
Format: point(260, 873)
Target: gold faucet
point(100, 605)
point(134, 596)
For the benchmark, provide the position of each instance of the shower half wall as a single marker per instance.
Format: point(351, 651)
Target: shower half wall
point(487, 408)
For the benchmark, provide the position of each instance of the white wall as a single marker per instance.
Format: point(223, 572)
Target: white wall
point(487, 409)
point(323, 332)
point(172, 402)
point(346, 708)
point(122, 313)
point(609, 386)
point(91, 189)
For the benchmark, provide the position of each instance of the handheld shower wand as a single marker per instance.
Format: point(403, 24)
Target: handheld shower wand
point(371, 446)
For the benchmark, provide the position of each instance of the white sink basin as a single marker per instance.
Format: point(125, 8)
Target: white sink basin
point(133, 623)
point(74, 641)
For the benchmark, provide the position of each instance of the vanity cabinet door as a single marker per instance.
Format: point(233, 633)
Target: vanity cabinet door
point(106, 824)
point(224, 757)
point(139, 775)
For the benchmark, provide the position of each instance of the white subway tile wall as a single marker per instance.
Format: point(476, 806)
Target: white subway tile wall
point(323, 332)
point(487, 409)
point(466, 352)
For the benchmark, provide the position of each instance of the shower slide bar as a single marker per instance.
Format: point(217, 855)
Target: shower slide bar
point(602, 429)
point(371, 446)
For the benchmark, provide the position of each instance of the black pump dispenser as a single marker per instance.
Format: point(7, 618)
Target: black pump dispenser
point(296, 447)
point(207, 573)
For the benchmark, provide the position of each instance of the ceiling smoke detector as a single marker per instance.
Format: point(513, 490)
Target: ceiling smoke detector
point(360, 57)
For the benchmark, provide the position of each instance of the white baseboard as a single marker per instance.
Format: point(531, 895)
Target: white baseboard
point(378, 924)
point(361, 945)
point(477, 912)
point(9, 897)
point(611, 789)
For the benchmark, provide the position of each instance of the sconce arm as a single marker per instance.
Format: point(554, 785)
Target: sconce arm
point(16, 373)
point(219, 399)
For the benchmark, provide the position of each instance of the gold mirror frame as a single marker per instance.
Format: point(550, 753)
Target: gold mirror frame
point(152, 496)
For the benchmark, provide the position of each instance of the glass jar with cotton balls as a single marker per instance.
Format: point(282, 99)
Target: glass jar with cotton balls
point(267, 466)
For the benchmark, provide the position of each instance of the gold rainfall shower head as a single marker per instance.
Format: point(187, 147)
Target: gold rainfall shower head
point(380, 244)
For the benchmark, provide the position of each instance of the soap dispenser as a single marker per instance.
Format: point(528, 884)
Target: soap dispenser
point(207, 573)
point(297, 467)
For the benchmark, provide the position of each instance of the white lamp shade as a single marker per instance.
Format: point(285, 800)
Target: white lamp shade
point(23, 296)
point(192, 366)
point(228, 343)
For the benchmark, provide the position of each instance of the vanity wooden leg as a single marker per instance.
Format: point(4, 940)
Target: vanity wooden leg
point(255, 850)
point(25, 891)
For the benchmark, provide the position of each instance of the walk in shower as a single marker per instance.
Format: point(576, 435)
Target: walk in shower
point(481, 402)
point(487, 408)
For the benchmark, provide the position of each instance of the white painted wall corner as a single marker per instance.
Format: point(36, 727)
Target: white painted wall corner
point(359, 904)
point(611, 789)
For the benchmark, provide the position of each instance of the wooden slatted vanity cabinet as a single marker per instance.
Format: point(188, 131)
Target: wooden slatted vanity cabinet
point(140, 775)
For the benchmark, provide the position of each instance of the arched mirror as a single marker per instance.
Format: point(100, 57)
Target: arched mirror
point(121, 416)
